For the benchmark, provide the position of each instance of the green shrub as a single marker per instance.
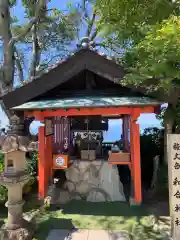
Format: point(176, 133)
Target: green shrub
point(32, 164)
point(32, 170)
point(3, 190)
point(1, 162)
point(3, 194)
point(28, 187)
point(1, 157)
point(1, 167)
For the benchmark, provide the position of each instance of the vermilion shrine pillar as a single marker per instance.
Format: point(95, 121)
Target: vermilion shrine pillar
point(41, 160)
point(45, 159)
point(48, 156)
point(135, 157)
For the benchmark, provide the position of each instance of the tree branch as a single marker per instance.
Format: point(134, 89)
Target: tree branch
point(90, 25)
point(40, 5)
point(36, 52)
point(94, 34)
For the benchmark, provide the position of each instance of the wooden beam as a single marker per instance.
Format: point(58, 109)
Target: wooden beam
point(89, 111)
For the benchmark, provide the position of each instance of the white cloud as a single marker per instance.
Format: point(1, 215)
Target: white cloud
point(144, 119)
point(148, 119)
point(115, 122)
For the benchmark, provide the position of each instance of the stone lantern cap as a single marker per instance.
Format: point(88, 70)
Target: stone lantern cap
point(14, 140)
point(14, 143)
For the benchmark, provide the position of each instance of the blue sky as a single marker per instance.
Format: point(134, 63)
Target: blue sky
point(146, 120)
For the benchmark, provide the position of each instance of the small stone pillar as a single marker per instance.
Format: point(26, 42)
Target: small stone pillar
point(14, 177)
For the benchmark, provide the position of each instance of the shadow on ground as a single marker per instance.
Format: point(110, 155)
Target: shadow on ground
point(51, 223)
point(111, 209)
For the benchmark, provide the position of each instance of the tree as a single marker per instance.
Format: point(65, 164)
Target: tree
point(151, 27)
point(46, 31)
point(47, 39)
point(154, 64)
point(7, 71)
point(130, 20)
point(86, 16)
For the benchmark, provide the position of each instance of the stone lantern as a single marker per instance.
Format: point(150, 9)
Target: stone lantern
point(14, 177)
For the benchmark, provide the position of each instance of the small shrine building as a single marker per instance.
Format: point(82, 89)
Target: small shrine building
point(84, 88)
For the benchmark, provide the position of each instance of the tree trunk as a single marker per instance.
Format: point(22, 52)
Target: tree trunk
point(8, 65)
point(7, 72)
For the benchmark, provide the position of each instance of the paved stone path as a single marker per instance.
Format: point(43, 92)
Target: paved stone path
point(87, 235)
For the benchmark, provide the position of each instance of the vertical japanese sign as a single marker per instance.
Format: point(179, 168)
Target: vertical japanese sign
point(173, 146)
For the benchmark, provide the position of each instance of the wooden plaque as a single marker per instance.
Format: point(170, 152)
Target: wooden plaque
point(119, 158)
point(174, 183)
point(48, 127)
point(60, 161)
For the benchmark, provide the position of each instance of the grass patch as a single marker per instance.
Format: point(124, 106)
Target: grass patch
point(107, 216)
point(88, 215)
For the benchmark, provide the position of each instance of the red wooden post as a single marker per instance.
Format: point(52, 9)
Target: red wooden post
point(49, 158)
point(41, 163)
point(135, 157)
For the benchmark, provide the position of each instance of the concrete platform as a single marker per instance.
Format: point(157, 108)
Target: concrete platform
point(87, 235)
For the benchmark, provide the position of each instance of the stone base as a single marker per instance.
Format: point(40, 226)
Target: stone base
point(23, 233)
point(94, 181)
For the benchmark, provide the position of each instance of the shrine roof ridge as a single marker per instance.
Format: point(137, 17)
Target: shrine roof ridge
point(83, 59)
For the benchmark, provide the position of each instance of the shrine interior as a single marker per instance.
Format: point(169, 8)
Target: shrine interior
point(82, 138)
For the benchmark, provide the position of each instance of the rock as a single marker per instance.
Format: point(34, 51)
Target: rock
point(98, 195)
point(83, 187)
point(75, 196)
point(97, 164)
point(96, 181)
point(57, 195)
point(83, 166)
point(64, 197)
point(70, 186)
point(73, 174)
point(109, 182)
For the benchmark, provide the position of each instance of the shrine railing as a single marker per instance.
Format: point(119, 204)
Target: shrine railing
point(107, 144)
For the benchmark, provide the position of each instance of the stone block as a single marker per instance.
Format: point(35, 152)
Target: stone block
point(98, 234)
point(58, 235)
point(80, 235)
